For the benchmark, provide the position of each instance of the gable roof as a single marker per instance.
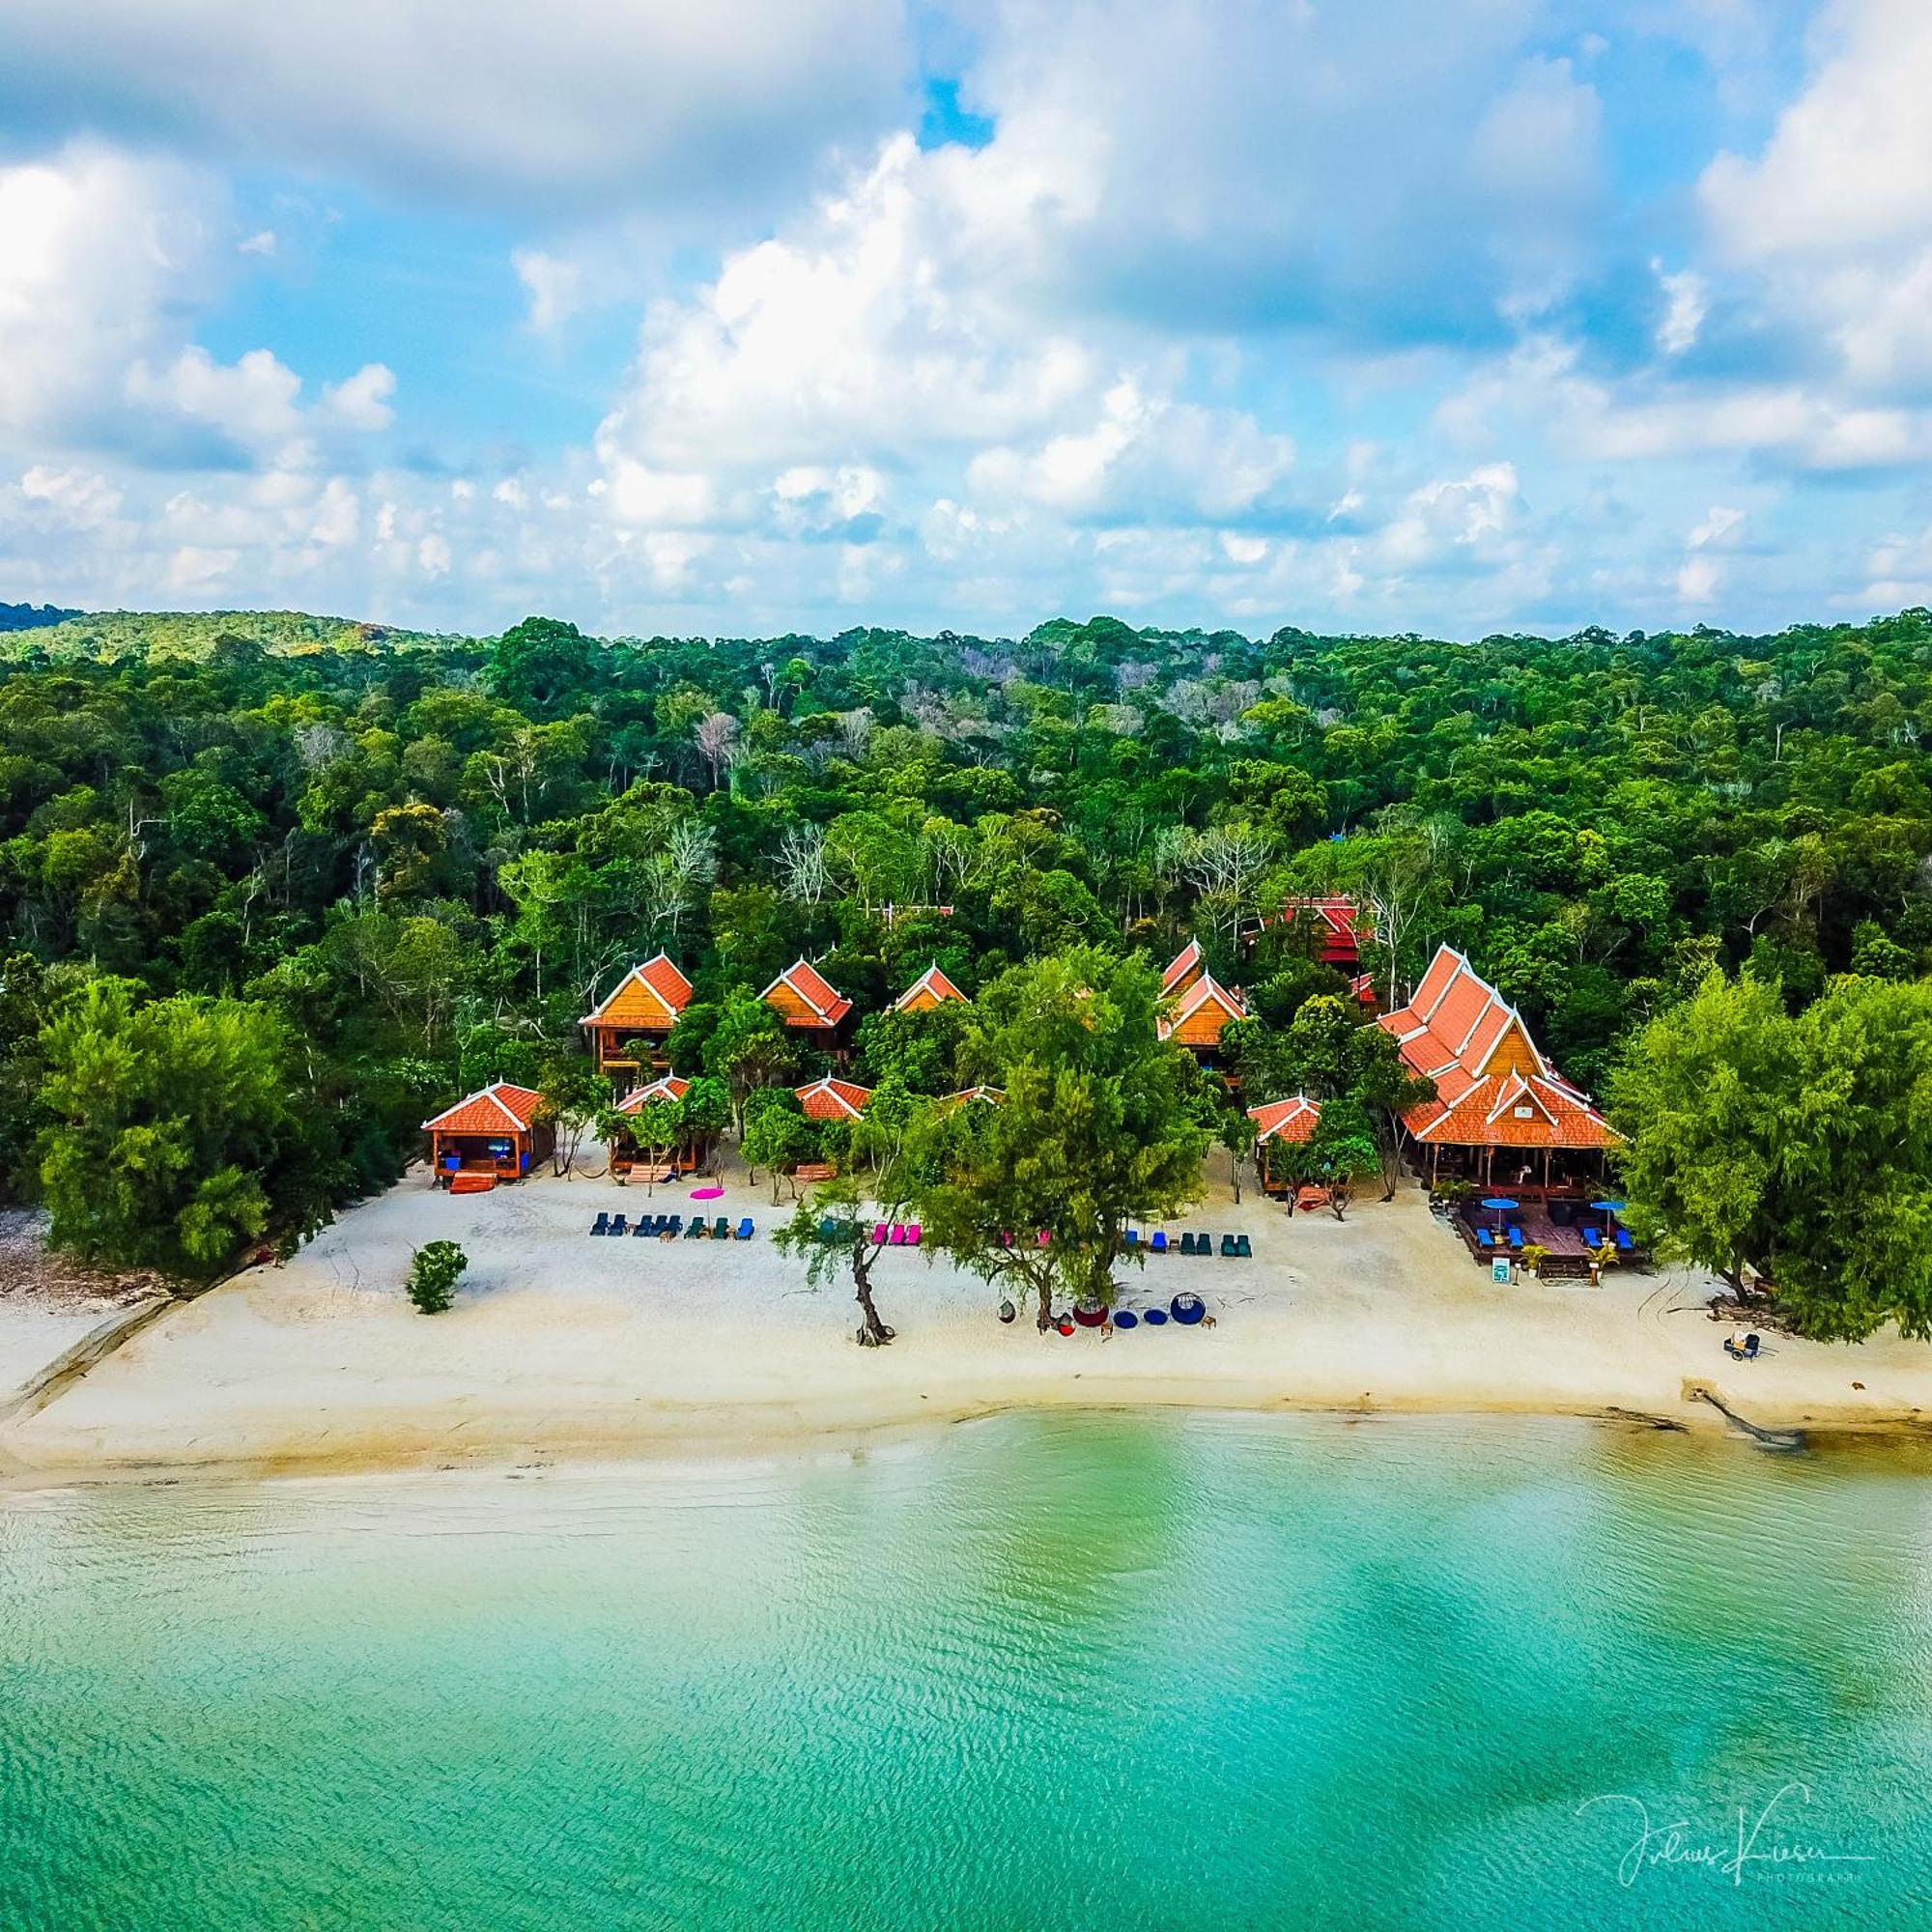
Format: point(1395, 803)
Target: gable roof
point(670, 1088)
point(833, 1099)
point(934, 985)
point(815, 990)
point(498, 1108)
point(1493, 1087)
point(647, 995)
point(1181, 968)
point(1292, 1120)
point(991, 1096)
point(1204, 992)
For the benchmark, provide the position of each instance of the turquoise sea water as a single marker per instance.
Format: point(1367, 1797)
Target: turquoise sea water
point(1055, 1671)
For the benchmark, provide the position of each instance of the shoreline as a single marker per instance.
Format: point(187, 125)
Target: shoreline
point(747, 1436)
point(566, 1349)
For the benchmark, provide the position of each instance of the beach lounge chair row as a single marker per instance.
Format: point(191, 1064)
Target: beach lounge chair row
point(893, 1235)
point(1233, 1248)
point(672, 1227)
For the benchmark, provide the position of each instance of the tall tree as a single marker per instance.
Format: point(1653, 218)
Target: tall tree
point(164, 1115)
point(876, 1182)
point(1101, 1124)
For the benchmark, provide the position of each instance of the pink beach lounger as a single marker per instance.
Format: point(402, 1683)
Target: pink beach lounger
point(912, 1236)
point(879, 1236)
point(897, 1235)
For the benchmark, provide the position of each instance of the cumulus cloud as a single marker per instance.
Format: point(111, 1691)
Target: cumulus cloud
point(1850, 162)
point(106, 258)
point(101, 252)
point(574, 105)
point(554, 286)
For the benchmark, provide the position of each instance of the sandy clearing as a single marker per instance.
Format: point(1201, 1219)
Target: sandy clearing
point(562, 1345)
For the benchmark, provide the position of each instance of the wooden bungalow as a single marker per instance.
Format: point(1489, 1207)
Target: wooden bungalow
point(932, 988)
point(1199, 1006)
point(804, 999)
point(1281, 1124)
point(644, 1004)
point(833, 1099)
point(1340, 928)
point(1503, 1116)
point(693, 1147)
point(492, 1135)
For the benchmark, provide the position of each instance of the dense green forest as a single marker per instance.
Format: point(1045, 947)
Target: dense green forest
point(387, 867)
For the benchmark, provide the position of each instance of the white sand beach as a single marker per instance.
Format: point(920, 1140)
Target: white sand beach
point(562, 1344)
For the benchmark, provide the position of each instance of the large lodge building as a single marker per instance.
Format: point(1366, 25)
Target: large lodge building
point(1502, 1115)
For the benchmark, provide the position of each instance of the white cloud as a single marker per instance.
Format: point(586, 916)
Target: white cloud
point(262, 242)
point(1699, 579)
point(574, 105)
point(1688, 303)
point(362, 401)
point(554, 288)
point(106, 258)
point(1850, 162)
point(872, 325)
point(1144, 454)
point(84, 498)
point(1723, 525)
point(99, 250)
point(251, 401)
point(338, 516)
point(1541, 388)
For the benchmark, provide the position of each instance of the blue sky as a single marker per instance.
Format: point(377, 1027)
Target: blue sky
point(1450, 317)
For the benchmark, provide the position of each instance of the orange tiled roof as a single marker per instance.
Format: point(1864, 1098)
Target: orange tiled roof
point(1292, 1120)
point(1181, 969)
point(495, 1109)
point(670, 1088)
point(1188, 1017)
point(815, 991)
point(1494, 1088)
point(647, 995)
point(933, 985)
point(830, 1099)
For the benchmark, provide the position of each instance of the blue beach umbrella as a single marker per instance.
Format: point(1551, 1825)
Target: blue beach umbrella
point(1502, 1203)
point(1608, 1206)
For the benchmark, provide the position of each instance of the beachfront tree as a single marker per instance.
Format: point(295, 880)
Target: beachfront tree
point(1235, 1129)
point(1700, 1097)
point(707, 1111)
point(573, 1094)
point(434, 1269)
point(658, 1127)
point(748, 1048)
point(1100, 1124)
point(876, 1184)
point(1343, 1150)
point(1799, 1148)
point(164, 1118)
point(776, 1134)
